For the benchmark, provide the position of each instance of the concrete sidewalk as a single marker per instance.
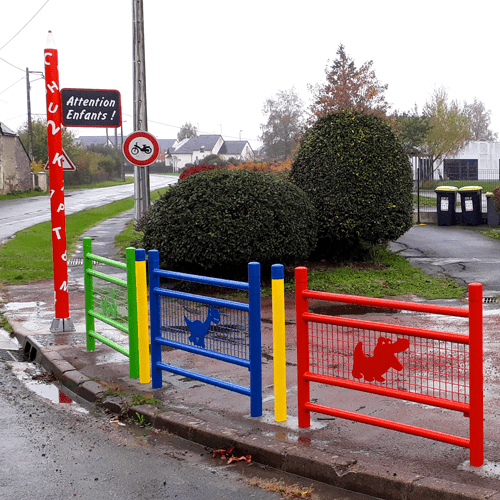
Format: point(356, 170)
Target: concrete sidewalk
point(346, 454)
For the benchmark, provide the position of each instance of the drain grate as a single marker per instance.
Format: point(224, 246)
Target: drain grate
point(490, 300)
point(79, 262)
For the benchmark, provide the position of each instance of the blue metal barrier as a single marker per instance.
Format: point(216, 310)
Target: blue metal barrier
point(227, 331)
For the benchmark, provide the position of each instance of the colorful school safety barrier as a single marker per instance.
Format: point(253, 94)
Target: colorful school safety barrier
point(114, 301)
point(430, 367)
point(223, 330)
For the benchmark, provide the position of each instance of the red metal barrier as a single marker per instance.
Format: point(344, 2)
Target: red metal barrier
point(435, 368)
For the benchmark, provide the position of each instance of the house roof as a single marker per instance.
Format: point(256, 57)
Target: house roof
point(208, 142)
point(4, 130)
point(167, 144)
point(232, 147)
point(96, 140)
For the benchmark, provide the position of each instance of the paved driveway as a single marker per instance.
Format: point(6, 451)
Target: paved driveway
point(458, 252)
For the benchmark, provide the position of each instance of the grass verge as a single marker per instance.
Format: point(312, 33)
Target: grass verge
point(387, 276)
point(28, 257)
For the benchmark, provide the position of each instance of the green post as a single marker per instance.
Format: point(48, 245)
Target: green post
point(133, 330)
point(89, 293)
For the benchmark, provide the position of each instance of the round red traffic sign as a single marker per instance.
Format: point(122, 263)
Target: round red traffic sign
point(141, 148)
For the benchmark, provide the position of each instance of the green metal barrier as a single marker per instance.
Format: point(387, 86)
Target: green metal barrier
point(112, 301)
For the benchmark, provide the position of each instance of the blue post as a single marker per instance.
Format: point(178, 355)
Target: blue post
point(254, 327)
point(154, 304)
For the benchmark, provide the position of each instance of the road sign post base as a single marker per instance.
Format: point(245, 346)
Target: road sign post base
point(62, 325)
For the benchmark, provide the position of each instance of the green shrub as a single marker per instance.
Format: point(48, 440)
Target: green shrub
point(356, 173)
point(221, 220)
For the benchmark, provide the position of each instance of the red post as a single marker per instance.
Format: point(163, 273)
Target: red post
point(301, 307)
point(476, 374)
point(62, 321)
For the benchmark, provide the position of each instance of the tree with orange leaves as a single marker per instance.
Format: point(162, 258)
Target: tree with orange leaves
point(348, 88)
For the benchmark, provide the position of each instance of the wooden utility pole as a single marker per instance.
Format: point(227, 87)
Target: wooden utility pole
point(141, 174)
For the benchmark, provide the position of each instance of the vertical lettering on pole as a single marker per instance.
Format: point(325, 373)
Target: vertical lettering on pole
point(57, 205)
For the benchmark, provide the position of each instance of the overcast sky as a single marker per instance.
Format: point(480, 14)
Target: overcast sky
point(214, 63)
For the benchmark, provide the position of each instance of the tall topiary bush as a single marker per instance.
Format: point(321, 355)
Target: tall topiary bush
point(220, 220)
point(356, 173)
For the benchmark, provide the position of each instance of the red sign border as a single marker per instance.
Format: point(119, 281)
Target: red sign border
point(146, 135)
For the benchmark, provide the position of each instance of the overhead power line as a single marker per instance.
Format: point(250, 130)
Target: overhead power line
point(33, 17)
point(13, 65)
point(177, 127)
point(5, 90)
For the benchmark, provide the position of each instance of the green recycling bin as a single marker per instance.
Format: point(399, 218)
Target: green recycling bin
point(491, 211)
point(446, 205)
point(470, 198)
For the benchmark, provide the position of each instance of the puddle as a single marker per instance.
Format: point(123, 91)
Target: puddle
point(111, 357)
point(16, 306)
point(291, 423)
point(41, 383)
point(294, 438)
point(7, 342)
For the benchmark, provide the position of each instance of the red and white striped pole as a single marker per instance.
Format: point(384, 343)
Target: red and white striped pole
point(62, 322)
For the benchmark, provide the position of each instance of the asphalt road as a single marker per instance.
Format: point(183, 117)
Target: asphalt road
point(25, 212)
point(57, 451)
point(458, 252)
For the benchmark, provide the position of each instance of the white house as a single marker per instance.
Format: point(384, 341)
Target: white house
point(240, 150)
point(479, 160)
point(193, 150)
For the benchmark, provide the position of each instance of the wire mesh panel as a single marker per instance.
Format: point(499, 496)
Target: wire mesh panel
point(113, 301)
point(430, 367)
point(110, 300)
point(225, 330)
point(442, 369)
point(222, 330)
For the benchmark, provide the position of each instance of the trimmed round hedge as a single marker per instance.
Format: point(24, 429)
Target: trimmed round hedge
point(221, 220)
point(355, 171)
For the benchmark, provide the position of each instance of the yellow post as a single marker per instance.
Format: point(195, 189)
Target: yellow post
point(279, 355)
point(142, 316)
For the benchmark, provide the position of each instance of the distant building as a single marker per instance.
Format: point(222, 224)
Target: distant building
point(241, 150)
point(88, 141)
point(15, 165)
point(479, 160)
point(177, 154)
point(195, 149)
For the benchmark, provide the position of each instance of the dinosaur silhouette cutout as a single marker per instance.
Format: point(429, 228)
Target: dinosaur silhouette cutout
point(384, 357)
point(199, 329)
